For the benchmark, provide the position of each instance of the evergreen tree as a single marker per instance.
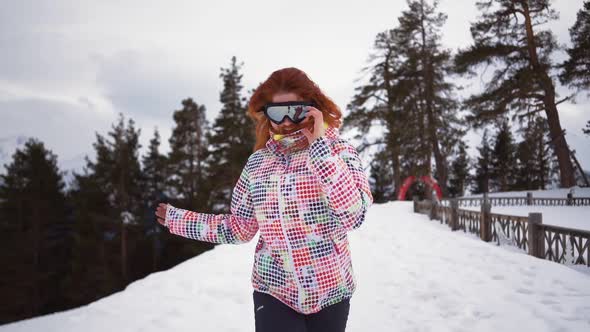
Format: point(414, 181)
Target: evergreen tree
point(576, 69)
point(381, 178)
point(459, 172)
point(533, 156)
point(117, 173)
point(91, 277)
point(507, 35)
point(185, 180)
point(188, 144)
point(36, 234)
point(409, 93)
point(587, 129)
point(483, 169)
point(231, 141)
point(503, 159)
point(154, 171)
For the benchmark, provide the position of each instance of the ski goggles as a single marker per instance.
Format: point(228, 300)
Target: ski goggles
point(294, 110)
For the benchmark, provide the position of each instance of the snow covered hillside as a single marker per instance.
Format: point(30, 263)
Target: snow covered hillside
point(413, 274)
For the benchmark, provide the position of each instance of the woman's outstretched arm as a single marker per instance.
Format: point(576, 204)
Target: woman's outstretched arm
point(341, 175)
point(239, 226)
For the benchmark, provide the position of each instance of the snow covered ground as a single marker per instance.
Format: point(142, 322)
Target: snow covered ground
point(413, 274)
point(566, 216)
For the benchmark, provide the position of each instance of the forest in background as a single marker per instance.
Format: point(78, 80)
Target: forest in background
point(66, 248)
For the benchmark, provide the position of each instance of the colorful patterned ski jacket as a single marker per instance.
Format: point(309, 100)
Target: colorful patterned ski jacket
point(304, 199)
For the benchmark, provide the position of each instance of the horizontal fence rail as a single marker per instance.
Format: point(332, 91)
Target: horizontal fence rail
point(570, 200)
point(559, 244)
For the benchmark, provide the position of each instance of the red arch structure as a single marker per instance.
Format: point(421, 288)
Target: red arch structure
point(429, 180)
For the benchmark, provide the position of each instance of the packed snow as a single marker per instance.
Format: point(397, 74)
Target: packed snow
point(413, 274)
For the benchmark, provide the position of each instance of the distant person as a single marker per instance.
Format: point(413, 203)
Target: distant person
point(304, 188)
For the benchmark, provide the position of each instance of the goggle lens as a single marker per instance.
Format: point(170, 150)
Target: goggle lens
point(295, 111)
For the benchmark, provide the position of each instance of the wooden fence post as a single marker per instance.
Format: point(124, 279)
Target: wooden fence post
point(536, 235)
point(433, 208)
point(529, 198)
point(415, 198)
point(485, 225)
point(454, 220)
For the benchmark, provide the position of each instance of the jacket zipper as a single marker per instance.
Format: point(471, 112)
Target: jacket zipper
point(290, 250)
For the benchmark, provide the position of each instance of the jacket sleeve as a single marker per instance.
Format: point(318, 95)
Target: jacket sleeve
point(239, 226)
point(341, 176)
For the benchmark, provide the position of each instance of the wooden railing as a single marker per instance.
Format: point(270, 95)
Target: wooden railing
point(570, 200)
point(558, 244)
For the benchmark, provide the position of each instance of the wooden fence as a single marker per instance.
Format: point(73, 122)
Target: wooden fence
point(570, 200)
point(559, 244)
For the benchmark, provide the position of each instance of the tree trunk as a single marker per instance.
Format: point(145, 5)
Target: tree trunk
point(566, 169)
point(428, 77)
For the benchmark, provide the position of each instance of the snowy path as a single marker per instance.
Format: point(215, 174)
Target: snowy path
point(413, 275)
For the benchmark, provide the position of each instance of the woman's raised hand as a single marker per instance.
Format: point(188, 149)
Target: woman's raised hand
point(161, 213)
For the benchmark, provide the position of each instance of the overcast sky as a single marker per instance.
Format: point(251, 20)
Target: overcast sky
point(69, 67)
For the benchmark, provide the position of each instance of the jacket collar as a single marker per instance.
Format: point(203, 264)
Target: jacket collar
point(295, 141)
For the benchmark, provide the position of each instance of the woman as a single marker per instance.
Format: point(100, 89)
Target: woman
point(304, 188)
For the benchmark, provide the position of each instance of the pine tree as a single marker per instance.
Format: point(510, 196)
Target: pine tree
point(186, 177)
point(36, 234)
point(380, 178)
point(188, 145)
point(508, 35)
point(377, 102)
point(117, 172)
point(459, 171)
point(420, 30)
point(587, 129)
point(91, 277)
point(231, 141)
point(483, 169)
point(533, 156)
point(410, 94)
point(576, 69)
point(154, 171)
point(503, 159)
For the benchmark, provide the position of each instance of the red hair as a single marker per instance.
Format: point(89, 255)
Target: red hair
point(284, 81)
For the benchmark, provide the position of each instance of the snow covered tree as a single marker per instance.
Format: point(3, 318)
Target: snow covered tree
point(576, 69)
point(36, 234)
point(231, 139)
point(508, 36)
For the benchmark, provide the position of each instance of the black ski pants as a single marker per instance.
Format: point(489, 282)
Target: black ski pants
point(272, 315)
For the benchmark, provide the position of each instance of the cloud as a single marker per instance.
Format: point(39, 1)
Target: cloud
point(64, 128)
point(146, 83)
